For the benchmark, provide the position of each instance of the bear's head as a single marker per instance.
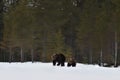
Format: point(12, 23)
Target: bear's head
point(54, 56)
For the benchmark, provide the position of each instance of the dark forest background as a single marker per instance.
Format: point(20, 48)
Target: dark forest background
point(32, 30)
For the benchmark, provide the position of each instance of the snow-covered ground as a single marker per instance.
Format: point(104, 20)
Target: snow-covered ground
point(45, 71)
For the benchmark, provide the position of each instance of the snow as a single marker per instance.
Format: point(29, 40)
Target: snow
point(46, 71)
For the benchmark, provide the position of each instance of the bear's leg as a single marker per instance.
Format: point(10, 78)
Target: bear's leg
point(58, 64)
point(54, 63)
point(62, 64)
point(68, 65)
point(74, 64)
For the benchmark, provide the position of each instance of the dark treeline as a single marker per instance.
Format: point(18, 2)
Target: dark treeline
point(32, 30)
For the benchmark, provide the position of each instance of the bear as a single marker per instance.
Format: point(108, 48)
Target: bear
point(59, 59)
point(71, 62)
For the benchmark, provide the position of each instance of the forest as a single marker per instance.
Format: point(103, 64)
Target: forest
point(32, 30)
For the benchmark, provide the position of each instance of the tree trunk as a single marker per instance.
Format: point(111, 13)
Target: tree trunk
point(10, 55)
point(116, 48)
point(44, 46)
point(32, 55)
point(1, 52)
point(44, 52)
point(101, 57)
point(90, 56)
point(21, 54)
point(4, 56)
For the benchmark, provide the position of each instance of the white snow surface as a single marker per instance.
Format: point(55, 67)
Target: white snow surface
point(46, 71)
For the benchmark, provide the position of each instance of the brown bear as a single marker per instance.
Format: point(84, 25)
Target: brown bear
point(59, 59)
point(71, 62)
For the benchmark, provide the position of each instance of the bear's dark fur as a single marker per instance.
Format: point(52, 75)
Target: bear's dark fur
point(71, 62)
point(59, 59)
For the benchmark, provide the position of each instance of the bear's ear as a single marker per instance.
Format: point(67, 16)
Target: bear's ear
point(54, 56)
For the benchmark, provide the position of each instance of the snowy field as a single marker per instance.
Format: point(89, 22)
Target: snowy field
point(45, 71)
